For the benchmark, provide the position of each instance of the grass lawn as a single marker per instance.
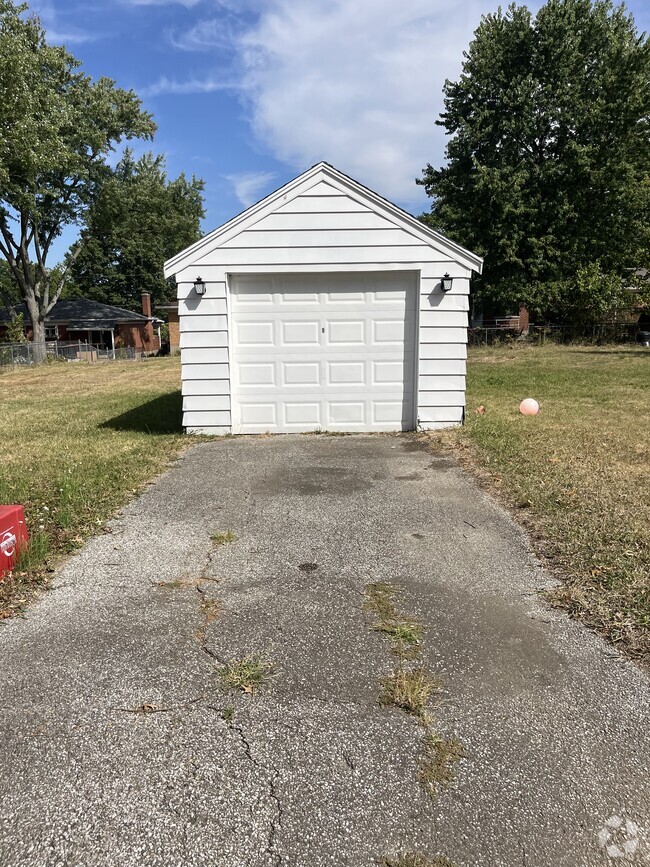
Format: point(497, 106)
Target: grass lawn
point(577, 474)
point(77, 440)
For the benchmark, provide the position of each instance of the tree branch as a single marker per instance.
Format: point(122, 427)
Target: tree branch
point(7, 250)
point(71, 259)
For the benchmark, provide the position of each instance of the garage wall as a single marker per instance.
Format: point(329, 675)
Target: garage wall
point(322, 229)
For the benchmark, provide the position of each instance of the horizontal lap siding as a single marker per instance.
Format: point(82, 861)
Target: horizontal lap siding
point(204, 339)
point(278, 258)
point(205, 355)
point(202, 403)
point(317, 232)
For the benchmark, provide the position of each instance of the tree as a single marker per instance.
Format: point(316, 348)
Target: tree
point(56, 128)
point(139, 220)
point(9, 291)
point(548, 158)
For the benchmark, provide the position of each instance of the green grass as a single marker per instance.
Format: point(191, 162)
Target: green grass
point(223, 538)
point(246, 674)
point(77, 440)
point(577, 474)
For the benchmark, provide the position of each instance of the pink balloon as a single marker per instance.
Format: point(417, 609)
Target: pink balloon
point(529, 406)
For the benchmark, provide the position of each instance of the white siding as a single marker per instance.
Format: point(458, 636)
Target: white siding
point(319, 230)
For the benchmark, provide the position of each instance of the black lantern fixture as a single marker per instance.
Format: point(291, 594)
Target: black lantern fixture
point(199, 286)
point(445, 283)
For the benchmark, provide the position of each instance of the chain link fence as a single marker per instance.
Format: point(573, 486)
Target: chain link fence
point(72, 351)
point(604, 333)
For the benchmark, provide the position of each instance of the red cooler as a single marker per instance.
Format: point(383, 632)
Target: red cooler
point(13, 536)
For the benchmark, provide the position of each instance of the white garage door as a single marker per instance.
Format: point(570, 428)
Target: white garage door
point(332, 352)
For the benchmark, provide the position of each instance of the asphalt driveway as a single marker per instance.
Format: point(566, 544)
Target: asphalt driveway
point(120, 744)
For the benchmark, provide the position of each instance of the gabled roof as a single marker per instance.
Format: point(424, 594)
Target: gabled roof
point(327, 173)
point(83, 311)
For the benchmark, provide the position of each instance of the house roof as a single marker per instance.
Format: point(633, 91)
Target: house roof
point(321, 172)
point(82, 313)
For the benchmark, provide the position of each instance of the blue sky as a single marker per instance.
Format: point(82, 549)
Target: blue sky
point(249, 93)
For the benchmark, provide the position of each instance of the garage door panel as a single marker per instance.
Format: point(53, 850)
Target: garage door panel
point(345, 372)
point(298, 299)
point(300, 373)
point(356, 298)
point(255, 333)
point(385, 373)
point(300, 332)
point(302, 413)
point(348, 365)
point(257, 413)
point(385, 412)
point(255, 374)
point(345, 412)
point(389, 331)
point(349, 332)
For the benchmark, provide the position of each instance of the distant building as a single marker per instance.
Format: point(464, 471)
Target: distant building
point(102, 325)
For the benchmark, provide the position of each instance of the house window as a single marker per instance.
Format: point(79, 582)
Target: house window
point(51, 332)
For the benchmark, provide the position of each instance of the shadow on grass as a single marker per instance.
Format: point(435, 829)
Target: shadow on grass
point(162, 415)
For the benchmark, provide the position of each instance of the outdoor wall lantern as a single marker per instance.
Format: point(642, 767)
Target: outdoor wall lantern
point(445, 283)
point(199, 286)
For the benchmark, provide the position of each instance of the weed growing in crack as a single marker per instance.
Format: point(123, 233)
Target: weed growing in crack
point(246, 674)
point(176, 584)
point(440, 757)
point(412, 859)
point(404, 633)
point(221, 538)
point(380, 599)
point(408, 689)
point(228, 714)
point(210, 609)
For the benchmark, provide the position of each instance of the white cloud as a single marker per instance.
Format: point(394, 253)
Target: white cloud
point(49, 16)
point(166, 85)
point(356, 84)
point(206, 35)
point(70, 37)
point(250, 186)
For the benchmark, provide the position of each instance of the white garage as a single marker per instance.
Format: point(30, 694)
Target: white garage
point(322, 307)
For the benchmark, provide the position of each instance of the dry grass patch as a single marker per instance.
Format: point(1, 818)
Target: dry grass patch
point(439, 760)
point(413, 859)
point(577, 474)
point(409, 690)
point(246, 674)
point(77, 440)
point(403, 632)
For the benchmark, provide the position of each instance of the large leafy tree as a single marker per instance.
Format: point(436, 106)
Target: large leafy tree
point(56, 128)
point(139, 219)
point(548, 167)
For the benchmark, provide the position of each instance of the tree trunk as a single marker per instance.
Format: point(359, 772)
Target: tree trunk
point(38, 338)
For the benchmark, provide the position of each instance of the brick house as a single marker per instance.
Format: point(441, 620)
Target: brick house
point(173, 324)
point(102, 325)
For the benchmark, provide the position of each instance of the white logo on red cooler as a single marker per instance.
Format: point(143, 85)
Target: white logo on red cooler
point(8, 543)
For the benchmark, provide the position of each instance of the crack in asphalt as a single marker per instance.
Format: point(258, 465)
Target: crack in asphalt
point(273, 775)
point(169, 788)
